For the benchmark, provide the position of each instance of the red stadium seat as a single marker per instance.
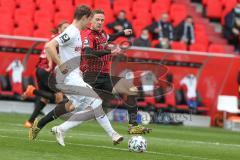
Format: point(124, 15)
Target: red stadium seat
point(144, 16)
point(60, 16)
point(229, 3)
point(166, 2)
point(198, 47)
point(38, 2)
point(109, 16)
point(138, 25)
point(199, 28)
point(158, 9)
point(24, 30)
point(178, 12)
point(5, 14)
point(64, 6)
point(27, 5)
point(42, 33)
point(9, 4)
point(155, 42)
point(216, 48)
point(142, 7)
point(6, 26)
point(96, 2)
point(201, 38)
point(218, 40)
point(229, 49)
point(122, 5)
point(84, 2)
point(179, 46)
point(45, 5)
point(214, 9)
point(204, 2)
point(21, 14)
point(43, 15)
point(47, 25)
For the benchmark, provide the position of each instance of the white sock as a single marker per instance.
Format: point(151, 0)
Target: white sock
point(106, 125)
point(68, 125)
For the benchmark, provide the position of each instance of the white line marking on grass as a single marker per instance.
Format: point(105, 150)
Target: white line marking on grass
point(149, 138)
point(119, 149)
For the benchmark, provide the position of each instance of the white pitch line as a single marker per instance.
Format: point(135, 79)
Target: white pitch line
point(120, 149)
point(149, 138)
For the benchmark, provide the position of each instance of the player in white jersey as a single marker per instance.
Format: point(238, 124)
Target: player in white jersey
point(70, 44)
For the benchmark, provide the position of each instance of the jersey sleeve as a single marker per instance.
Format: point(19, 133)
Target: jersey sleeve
point(65, 38)
point(88, 41)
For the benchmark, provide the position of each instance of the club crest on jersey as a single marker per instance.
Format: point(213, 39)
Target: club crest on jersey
point(64, 38)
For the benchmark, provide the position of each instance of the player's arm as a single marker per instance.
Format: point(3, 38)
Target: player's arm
point(51, 51)
point(126, 32)
point(91, 52)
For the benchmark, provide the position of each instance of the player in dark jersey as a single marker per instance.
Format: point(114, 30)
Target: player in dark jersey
point(97, 68)
point(44, 94)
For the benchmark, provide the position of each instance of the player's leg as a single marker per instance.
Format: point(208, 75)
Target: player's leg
point(47, 94)
point(60, 109)
point(43, 95)
point(75, 120)
point(39, 104)
point(127, 88)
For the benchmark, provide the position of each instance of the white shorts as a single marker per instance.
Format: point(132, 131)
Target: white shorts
point(80, 102)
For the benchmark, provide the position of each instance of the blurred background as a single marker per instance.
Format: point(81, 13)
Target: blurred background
point(197, 40)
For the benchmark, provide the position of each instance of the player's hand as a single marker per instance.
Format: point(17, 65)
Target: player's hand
point(63, 68)
point(127, 32)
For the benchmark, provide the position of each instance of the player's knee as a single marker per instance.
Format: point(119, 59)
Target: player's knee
point(58, 97)
point(69, 106)
point(96, 103)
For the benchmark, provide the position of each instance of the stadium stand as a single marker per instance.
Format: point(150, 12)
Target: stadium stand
point(40, 15)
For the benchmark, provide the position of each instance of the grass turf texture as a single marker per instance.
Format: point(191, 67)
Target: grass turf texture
point(89, 141)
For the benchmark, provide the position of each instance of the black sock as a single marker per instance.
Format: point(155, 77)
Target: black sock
point(39, 105)
point(44, 94)
point(54, 114)
point(132, 110)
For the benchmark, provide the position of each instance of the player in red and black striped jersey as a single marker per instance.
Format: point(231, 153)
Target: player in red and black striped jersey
point(44, 94)
point(97, 68)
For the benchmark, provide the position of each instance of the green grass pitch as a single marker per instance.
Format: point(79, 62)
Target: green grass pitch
point(89, 142)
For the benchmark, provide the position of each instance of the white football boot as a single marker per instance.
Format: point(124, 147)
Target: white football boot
point(116, 138)
point(59, 135)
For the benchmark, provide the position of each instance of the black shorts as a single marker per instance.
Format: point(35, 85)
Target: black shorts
point(101, 81)
point(42, 79)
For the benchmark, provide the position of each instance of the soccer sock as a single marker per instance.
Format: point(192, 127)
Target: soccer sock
point(68, 125)
point(77, 118)
point(101, 117)
point(54, 114)
point(106, 125)
point(132, 110)
point(39, 105)
point(44, 94)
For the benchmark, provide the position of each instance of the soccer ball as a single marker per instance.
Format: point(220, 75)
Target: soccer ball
point(137, 144)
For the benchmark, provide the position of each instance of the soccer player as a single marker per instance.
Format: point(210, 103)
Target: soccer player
point(44, 94)
point(98, 75)
point(70, 45)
